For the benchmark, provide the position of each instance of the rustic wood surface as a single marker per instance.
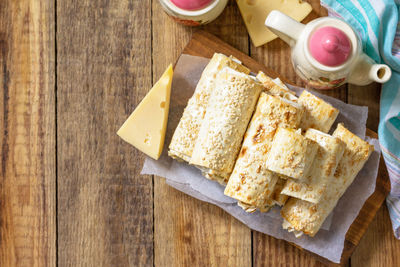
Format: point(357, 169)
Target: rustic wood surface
point(71, 192)
point(105, 208)
point(27, 134)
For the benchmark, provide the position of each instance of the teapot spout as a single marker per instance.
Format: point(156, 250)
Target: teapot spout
point(380, 73)
point(365, 72)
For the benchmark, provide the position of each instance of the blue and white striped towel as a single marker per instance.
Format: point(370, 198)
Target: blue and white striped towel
point(377, 22)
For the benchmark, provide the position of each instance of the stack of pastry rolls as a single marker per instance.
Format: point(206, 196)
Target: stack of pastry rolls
point(267, 146)
point(210, 132)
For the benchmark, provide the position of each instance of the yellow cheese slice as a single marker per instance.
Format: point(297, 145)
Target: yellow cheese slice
point(254, 13)
point(145, 128)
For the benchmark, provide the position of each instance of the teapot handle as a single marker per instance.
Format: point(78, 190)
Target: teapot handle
point(288, 29)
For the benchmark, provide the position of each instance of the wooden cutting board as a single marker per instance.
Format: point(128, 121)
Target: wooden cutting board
point(205, 45)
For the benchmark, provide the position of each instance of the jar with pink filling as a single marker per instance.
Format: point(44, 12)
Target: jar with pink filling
point(193, 12)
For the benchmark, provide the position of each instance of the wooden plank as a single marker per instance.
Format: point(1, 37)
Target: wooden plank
point(379, 247)
point(269, 251)
point(187, 231)
point(105, 213)
point(369, 96)
point(204, 44)
point(229, 28)
point(190, 232)
point(27, 134)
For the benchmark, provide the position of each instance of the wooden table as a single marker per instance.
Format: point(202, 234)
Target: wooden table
point(71, 193)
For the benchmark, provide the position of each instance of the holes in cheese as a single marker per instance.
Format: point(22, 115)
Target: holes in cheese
point(145, 128)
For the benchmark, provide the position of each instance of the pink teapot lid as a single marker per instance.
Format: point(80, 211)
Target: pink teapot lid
point(330, 46)
point(191, 4)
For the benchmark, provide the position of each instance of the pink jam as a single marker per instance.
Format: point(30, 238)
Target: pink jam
point(330, 46)
point(191, 4)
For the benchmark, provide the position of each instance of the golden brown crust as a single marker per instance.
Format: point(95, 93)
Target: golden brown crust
point(250, 181)
point(276, 87)
point(291, 153)
point(314, 184)
point(318, 114)
point(186, 133)
point(220, 137)
point(308, 217)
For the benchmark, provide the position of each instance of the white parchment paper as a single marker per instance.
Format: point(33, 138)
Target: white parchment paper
point(329, 241)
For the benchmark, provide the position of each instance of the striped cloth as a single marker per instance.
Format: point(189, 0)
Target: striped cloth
point(378, 26)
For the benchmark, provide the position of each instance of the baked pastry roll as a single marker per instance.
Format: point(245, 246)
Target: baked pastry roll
point(187, 131)
point(318, 114)
point(276, 198)
point(305, 217)
point(313, 186)
point(250, 182)
point(276, 86)
point(291, 153)
point(221, 133)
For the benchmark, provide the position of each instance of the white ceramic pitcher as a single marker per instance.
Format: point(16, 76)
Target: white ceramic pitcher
point(326, 52)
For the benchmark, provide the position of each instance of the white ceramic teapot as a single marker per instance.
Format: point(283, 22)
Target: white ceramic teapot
point(327, 52)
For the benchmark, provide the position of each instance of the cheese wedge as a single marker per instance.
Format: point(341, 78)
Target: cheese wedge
point(145, 128)
point(254, 13)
